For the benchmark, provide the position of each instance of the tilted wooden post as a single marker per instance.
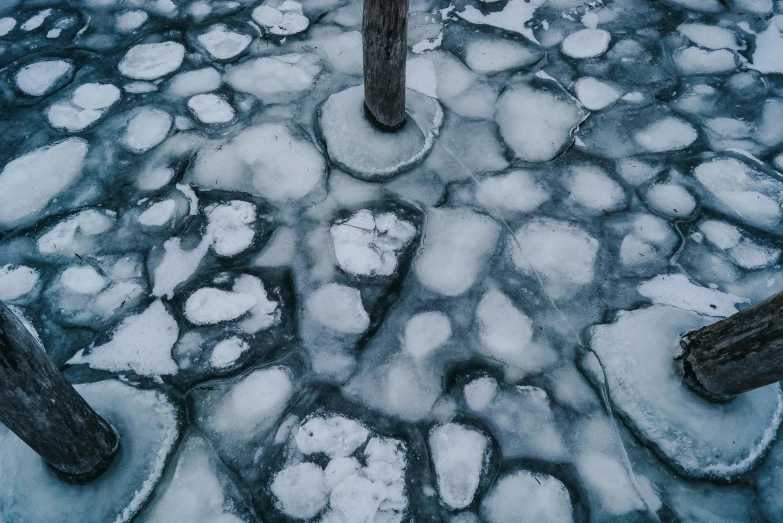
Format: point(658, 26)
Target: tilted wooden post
point(385, 37)
point(738, 354)
point(44, 410)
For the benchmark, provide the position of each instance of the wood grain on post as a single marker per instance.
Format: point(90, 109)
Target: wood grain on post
point(44, 410)
point(740, 353)
point(385, 38)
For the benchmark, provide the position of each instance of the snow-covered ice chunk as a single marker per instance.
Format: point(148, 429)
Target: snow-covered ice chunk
point(595, 94)
point(82, 279)
point(146, 130)
point(229, 226)
point(76, 234)
point(561, 253)
point(591, 187)
point(767, 57)
point(158, 214)
point(426, 332)
point(227, 351)
point(248, 407)
point(480, 392)
point(537, 123)
point(339, 308)
point(129, 21)
point(459, 454)
point(517, 191)
point(152, 61)
point(667, 134)
point(199, 491)
point(16, 282)
point(513, 17)
point(709, 36)
point(678, 291)
point(267, 161)
point(142, 344)
point(586, 43)
point(40, 78)
point(177, 265)
point(742, 191)
point(278, 79)
point(36, 21)
point(457, 244)
point(527, 497)
point(30, 182)
point(209, 305)
point(368, 244)
point(222, 43)
point(650, 240)
point(375, 492)
point(368, 153)
point(7, 25)
point(195, 82)
point(486, 55)
point(670, 199)
point(741, 248)
point(281, 17)
point(637, 354)
point(211, 108)
point(334, 436)
point(88, 103)
point(506, 333)
point(96, 95)
point(693, 61)
point(300, 490)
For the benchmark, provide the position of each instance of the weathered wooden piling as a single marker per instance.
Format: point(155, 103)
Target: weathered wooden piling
point(385, 39)
point(740, 353)
point(44, 410)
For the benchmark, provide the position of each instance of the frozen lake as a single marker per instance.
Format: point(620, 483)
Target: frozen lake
point(473, 320)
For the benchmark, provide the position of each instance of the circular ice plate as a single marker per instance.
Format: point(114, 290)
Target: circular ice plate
point(699, 438)
point(367, 153)
point(148, 426)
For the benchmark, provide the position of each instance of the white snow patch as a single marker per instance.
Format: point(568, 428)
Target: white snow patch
point(678, 291)
point(38, 78)
point(586, 43)
point(335, 436)
point(426, 332)
point(222, 43)
point(457, 244)
point(459, 454)
point(16, 282)
point(368, 244)
point(152, 61)
point(667, 134)
point(142, 344)
point(562, 254)
point(227, 351)
point(527, 497)
point(595, 94)
point(209, 305)
point(211, 108)
point(29, 182)
point(517, 191)
point(535, 123)
point(339, 308)
point(146, 130)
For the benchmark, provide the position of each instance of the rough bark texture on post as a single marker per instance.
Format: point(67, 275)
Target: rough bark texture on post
point(738, 354)
point(44, 410)
point(385, 37)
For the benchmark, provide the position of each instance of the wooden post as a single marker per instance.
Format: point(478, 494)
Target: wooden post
point(43, 409)
point(385, 37)
point(735, 355)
